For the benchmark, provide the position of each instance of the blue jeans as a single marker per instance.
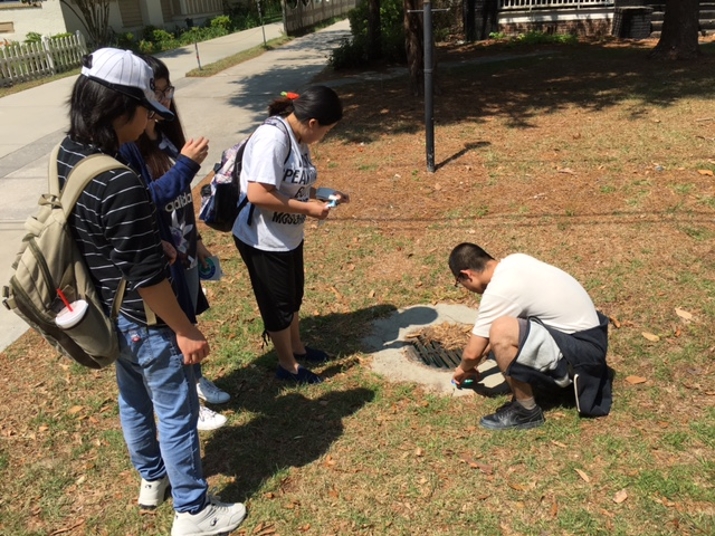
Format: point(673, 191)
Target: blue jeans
point(153, 379)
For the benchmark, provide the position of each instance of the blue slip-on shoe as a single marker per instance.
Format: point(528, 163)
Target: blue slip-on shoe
point(312, 355)
point(303, 376)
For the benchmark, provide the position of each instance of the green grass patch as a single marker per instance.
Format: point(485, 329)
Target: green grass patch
point(240, 57)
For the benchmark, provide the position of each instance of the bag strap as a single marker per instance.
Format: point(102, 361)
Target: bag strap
point(244, 200)
point(91, 166)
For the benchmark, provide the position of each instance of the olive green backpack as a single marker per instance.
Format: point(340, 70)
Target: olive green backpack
point(50, 272)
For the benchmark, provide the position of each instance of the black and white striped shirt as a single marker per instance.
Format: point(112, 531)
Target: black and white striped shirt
point(114, 222)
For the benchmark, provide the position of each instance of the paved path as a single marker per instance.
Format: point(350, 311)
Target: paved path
point(223, 108)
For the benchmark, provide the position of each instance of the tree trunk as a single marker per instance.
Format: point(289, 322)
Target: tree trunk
point(679, 38)
point(413, 46)
point(470, 13)
point(94, 16)
point(490, 17)
point(374, 31)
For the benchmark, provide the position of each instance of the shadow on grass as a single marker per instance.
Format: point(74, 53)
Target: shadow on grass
point(289, 429)
point(521, 88)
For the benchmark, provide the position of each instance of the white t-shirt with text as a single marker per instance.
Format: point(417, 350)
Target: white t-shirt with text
point(263, 162)
point(523, 287)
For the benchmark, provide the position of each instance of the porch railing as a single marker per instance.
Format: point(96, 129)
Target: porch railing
point(509, 5)
point(197, 7)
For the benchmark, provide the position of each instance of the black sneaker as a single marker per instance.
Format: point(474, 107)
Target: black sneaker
point(513, 416)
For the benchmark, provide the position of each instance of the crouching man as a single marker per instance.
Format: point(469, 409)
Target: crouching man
point(543, 330)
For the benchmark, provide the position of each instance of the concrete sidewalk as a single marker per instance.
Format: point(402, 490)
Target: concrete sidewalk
point(224, 108)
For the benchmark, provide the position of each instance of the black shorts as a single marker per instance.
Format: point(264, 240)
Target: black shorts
point(278, 281)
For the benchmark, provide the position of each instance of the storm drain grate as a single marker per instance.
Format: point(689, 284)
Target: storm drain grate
point(432, 353)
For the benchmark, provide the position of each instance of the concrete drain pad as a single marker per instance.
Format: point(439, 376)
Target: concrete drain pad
point(401, 355)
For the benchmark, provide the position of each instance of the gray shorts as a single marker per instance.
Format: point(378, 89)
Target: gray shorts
point(538, 351)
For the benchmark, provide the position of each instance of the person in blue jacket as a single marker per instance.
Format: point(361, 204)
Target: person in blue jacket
point(169, 163)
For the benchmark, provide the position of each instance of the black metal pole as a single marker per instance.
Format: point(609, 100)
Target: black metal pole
point(429, 93)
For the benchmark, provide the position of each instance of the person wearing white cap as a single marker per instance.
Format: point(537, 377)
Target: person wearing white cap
point(115, 223)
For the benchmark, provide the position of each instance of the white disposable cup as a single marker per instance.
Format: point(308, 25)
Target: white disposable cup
point(67, 319)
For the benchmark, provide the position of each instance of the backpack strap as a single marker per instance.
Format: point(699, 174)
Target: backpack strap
point(244, 200)
point(91, 166)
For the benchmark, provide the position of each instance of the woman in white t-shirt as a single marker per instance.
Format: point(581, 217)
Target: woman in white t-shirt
point(277, 178)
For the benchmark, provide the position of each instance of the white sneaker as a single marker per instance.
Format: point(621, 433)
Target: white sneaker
point(209, 420)
point(208, 391)
point(153, 493)
point(216, 518)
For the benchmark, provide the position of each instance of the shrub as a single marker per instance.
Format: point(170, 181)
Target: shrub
point(125, 40)
point(542, 38)
point(159, 36)
point(353, 53)
point(146, 47)
point(33, 37)
point(222, 22)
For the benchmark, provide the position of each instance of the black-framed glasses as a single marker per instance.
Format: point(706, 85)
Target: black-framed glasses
point(165, 94)
point(458, 279)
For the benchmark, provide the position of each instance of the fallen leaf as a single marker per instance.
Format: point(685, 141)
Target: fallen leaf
point(620, 496)
point(558, 443)
point(615, 322)
point(554, 509)
point(372, 294)
point(74, 409)
point(419, 452)
point(667, 502)
point(685, 315)
point(707, 172)
point(337, 294)
point(583, 475)
point(565, 170)
point(650, 336)
point(635, 380)
point(67, 529)
point(517, 487)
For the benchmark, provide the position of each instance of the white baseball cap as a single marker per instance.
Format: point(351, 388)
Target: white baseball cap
point(126, 73)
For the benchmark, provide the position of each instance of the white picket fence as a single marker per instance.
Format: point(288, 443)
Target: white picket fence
point(21, 62)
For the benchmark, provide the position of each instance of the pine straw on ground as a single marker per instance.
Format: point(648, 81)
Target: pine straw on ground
point(588, 157)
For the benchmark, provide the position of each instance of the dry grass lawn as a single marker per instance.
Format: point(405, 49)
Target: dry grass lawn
point(590, 157)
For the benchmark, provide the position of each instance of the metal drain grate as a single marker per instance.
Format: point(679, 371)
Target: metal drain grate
point(432, 353)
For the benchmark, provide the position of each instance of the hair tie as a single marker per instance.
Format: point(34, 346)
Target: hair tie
point(289, 95)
